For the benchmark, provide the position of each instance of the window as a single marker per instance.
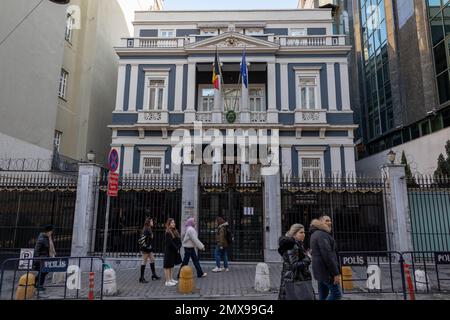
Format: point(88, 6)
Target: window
point(311, 168)
point(256, 99)
point(206, 99)
point(254, 32)
point(69, 28)
point(167, 33)
point(209, 32)
point(156, 94)
point(307, 93)
point(296, 32)
point(57, 140)
point(63, 84)
point(232, 98)
point(152, 165)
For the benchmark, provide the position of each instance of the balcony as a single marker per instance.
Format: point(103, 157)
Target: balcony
point(155, 42)
point(282, 41)
point(310, 41)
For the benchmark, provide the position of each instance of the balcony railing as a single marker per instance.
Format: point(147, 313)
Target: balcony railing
point(283, 41)
point(155, 43)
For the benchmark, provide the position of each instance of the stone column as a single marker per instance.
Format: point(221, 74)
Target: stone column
point(218, 105)
point(272, 112)
point(85, 218)
point(286, 165)
point(397, 212)
point(345, 86)
point(331, 82)
point(179, 88)
point(284, 87)
point(190, 108)
point(244, 107)
point(272, 215)
point(190, 193)
point(120, 87)
point(336, 165)
point(349, 156)
point(133, 88)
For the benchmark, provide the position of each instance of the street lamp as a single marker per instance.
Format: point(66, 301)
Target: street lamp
point(91, 156)
point(391, 156)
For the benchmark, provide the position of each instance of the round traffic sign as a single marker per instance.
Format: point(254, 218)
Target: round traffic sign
point(113, 160)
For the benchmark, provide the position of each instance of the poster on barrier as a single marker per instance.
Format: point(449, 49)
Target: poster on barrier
point(26, 253)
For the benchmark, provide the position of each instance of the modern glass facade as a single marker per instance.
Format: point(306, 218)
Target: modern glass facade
point(377, 105)
point(378, 97)
point(439, 17)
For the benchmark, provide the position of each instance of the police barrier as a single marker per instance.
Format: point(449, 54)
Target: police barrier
point(72, 283)
point(397, 273)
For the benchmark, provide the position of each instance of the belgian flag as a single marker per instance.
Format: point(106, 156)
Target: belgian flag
point(216, 72)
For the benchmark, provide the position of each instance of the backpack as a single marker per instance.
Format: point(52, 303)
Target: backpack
point(229, 236)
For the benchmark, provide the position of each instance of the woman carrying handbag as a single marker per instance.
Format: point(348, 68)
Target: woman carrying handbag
point(296, 279)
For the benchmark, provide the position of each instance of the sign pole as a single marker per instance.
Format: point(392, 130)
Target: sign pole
point(105, 238)
point(113, 188)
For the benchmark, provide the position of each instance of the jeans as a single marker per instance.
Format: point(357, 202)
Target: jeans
point(188, 254)
point(329, 291)
point(218, 253)
point(41, 279)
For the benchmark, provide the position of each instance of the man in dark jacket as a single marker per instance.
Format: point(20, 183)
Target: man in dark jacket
point(325, 264)
point(44, 248)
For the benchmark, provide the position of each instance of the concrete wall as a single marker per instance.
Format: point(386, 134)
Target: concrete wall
point(29, 75)
point(421, 155)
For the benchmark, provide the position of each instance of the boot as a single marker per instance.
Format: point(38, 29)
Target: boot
point(154, 276)
point(142, 279)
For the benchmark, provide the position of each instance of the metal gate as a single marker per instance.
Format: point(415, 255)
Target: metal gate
point(356, 207)
point(140, 196)
point(429, 208)
point(241, 204)
point(30, 201)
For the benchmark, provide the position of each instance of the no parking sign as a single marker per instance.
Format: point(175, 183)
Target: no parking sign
point(113, 160)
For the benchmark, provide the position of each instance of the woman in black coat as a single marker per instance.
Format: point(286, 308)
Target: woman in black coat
point(172, 255)
point(296, 259)
point(148, 250)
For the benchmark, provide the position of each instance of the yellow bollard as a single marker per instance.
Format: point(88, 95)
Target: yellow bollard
point(186, 281)
point(26, 285)
point(347, 282)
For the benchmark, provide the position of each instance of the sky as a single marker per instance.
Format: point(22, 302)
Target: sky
point(228, 4)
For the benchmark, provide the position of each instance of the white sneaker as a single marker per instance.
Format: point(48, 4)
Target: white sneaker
point(226, 269)
point(216, 269)
point(170, 284)
point(174, 281)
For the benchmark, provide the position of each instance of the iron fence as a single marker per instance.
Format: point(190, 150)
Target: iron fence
point(429, 207)
point(31, 201)
point(139, 197)
point(70, 268)
point(241, 204)
point(355, 205)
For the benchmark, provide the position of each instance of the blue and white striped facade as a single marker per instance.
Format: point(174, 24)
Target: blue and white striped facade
point(176, 49)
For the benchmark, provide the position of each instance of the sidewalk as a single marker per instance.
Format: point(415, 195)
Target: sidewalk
point(237, 284)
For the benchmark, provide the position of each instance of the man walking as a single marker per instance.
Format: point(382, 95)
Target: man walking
point(222, 245)
point(44, 248)
point(325, 264)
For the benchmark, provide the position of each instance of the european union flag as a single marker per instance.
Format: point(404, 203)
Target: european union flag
point(244, 70)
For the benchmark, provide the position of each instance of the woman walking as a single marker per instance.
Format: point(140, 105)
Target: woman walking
point(148, 249)
point(190, 243)
point(296, 259)
point(171, 252)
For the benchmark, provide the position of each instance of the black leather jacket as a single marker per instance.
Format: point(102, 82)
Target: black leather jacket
point(295, 263)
